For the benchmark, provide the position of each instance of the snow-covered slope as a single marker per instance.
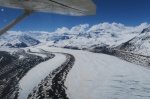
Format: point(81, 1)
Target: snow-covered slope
point(39, 35)
point(56, 37)
point(15, 39)
point(139, 44)
point(111, 34)
point(38, 73)
point(95, 76)
point(28, 40)
point(80, 37)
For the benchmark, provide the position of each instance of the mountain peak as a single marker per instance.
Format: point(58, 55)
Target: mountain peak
point(146, 30)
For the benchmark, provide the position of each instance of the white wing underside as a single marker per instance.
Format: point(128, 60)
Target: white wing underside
point(67, 7)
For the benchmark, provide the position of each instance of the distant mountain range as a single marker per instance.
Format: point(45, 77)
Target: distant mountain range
point(17, 40)
point(114, 35)
point(140, 44)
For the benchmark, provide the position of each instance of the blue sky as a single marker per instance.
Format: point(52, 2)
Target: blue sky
point(127, 12)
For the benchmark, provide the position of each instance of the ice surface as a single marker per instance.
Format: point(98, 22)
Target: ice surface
point(21, 56)
point(38, 73)
point(41, 55)
point(96, 76)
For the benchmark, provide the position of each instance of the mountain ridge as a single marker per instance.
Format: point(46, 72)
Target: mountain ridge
point(80, 37)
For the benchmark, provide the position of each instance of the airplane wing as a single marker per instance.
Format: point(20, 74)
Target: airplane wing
point(67, 7)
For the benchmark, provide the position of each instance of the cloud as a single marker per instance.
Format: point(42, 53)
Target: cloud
point(74, 30)
point(108, 26)
point(79, 28)
point(14, 32)
point(142, 26)
point(62, 30)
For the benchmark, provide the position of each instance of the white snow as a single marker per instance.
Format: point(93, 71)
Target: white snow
point(10, 50)
point(1, 58)
point(94, 75)
point(100, 76)
point(141, 44)
point(32, 49)
point(21, 56)
point(112, 34)
point(41, 55)
point(39, 72)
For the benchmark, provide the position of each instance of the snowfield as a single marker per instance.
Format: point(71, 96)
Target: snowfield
point(38, 73)
point(41, 55)
point(96, 76)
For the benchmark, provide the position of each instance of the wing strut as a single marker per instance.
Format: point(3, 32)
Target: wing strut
point(14, 22)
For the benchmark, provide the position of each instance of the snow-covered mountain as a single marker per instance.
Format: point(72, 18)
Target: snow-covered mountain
point(102, 34)
point(109, 38)
point(28, 40)
point(80, 37)
point(57, 37)
point(14, 39)
point(139, 44)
